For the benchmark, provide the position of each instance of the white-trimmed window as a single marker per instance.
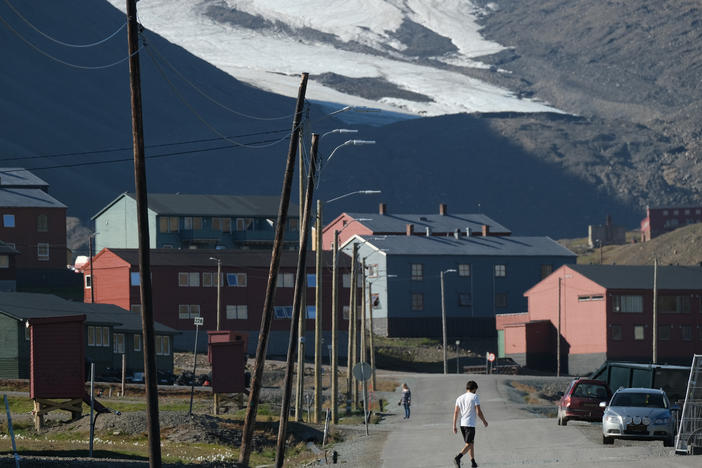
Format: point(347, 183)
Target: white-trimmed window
point(372, 270)
point(345, 312)
point(500, 270)
point(463, 269)
point(91, 336)
point(209, 279)
point(137, 342)
point(236, 279)
point(417, 271)
point(282, 312)
point(187, 223)
point(88, 281)
point(4, 261)
point(222, 224)
point(285, 280)
point(417, 301)
point(8, 220)
point(163, 345)
point(237, 312)
point(188, 279)
point(99, 336)
point(628, 304)
point(188, 311)
point(118, 343)
point(134, 278)
point(43, 251)
point(346, 280)
point(169, 224)
point(42, 223)
point(639, 332)
point(244, 224)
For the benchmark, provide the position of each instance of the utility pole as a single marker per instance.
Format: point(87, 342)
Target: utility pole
point(147, 319)
point(352, 387)
point(318, 319)
point(334, 318)
point(215, 396)
point(300, 383)
point(92, 277)
point(363, 338)
point(443, 323)
point(558, 337)
point(370, 333)
point(297, 306)
point(267, 314)
point(655, 312)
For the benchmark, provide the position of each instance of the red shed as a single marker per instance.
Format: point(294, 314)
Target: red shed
point(227, 359)
point(57, 357)
point(224, 336)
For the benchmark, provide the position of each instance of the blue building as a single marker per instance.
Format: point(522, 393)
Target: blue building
point(491, 275)
point(194, 221)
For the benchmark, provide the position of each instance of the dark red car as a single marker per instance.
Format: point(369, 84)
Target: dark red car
point(581, 402)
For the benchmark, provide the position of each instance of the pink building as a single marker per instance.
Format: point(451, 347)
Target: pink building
point(661, 220)
point(606, 314)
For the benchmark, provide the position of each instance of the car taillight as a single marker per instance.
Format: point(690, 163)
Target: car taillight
point(566, 401)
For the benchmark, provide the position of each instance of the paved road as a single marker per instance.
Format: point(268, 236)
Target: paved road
point(514, 437)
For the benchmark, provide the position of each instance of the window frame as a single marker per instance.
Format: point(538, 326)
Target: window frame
point(463, 269)
point(8, 217)
point(642, 328)
point(41, 247)
point(136, 343)
point(417, 271)
point(42, 222)
point(626, 301)
point(417, 301)
point(615, 332)
point(118, 343)
point(500, 270)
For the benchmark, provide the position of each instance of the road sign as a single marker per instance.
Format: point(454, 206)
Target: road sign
point(362, 371)
point(199, 321)
point(491, 357)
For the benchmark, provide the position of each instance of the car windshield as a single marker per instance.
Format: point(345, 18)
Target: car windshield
point(587, 390)
point(641, 399)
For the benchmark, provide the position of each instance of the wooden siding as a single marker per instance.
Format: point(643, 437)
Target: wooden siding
point(26, 236)
point(9, 357)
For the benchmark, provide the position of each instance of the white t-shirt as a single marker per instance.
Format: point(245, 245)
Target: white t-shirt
point(466, 404)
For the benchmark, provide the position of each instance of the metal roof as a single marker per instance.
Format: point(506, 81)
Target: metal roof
point(669, 277)
point(483, 246)
point(27, 197)
point(215, 205)
point(19, 177)
point(436, 222)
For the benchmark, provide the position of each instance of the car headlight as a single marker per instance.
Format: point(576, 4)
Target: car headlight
point(611, 418)
point(662, 420)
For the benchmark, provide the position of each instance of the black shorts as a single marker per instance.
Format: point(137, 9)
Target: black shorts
point(468, 434)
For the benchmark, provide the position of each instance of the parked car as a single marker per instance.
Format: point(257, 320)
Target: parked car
point(582, 400)
point(638, 413)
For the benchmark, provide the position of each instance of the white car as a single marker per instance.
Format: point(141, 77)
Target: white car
point(638, 413)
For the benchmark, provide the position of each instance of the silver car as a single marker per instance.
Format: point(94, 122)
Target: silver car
point(638, 413)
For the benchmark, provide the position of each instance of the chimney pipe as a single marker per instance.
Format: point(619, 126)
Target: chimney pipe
point(442, 209)
point(382, 208)
point(410, 229)
point(428, 231)
point(486, 230)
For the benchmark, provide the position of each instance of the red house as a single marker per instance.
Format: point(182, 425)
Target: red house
point(661, 220)
point(184, 285)
point(606, 314)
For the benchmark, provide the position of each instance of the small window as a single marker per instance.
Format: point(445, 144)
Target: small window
point(676, 212)
point(686, 331)
point(500, 300)
point(91, 336)
point(311, 312)
point(285, 280)
point(546, 269)
point(43, 252)
point(639, 332)
point(137, 342)
point(106, 337)
point(236, 279)
point(464, 300)
point(183, 280)
point(118, 343)
point(4, 261)
point(375, 300)
point(244, 224)
point(615, 332)
point(282, 312)
point(417, 270)
point(8, 220)
point(194, 279)
point(42, 223)
point(98, 336)
point(134, 278)
point(687, 212)
point(417, 301)
point(194, 310)
point(183, 311)
point(346, 280)
point(88, 282)
point(311, 280)
point(345, 312)
point(665, 212)
point(135, 308)
point(372, 270)
point(663, 332)
point(187, 223)
point(500, 271)
point(26, 333)
point(464, 269)
point(163, 224)
point(163, 345)
point(209, 279)
point(237, 312)
point(174, 224)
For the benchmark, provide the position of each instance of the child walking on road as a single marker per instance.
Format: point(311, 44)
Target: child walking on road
point(468, 405)
point(406, 400)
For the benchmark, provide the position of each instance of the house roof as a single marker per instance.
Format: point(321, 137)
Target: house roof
point(449, 245)
point(19, 177)
point(229, 257)
point(25, 306)
point(669, 277)
point(27, 197)
point(437, 222)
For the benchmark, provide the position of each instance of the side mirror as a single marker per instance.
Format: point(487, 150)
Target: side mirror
point(603, 404)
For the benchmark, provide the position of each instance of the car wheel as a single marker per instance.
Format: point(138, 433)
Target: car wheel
point(669, 442)
point(607, 440)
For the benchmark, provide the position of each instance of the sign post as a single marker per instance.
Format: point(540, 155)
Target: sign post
point(199, 321)
point(362, 371)
point(489, 359)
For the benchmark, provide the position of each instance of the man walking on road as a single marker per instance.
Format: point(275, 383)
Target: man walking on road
point(468, 405)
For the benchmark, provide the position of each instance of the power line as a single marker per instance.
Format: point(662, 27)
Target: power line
point(57, 41)
point(63, 62)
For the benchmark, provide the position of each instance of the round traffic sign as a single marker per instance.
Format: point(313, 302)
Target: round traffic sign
point(362, 371)
point(491, 357)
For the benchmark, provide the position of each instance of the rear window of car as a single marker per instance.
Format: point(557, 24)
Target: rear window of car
point(645, 400)
point(590, 390)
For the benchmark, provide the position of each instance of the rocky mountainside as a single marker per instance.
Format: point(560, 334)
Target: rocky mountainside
point(630, 70)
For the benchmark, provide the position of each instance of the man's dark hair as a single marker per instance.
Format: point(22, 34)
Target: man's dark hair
point(471, 385)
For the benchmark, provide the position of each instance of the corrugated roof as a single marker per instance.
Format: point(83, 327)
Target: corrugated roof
point(229, 257)
point(27, 197)
point(484, 246)
point(669, 277)
point(19, 177)
point(438, 223)
point(216, 205)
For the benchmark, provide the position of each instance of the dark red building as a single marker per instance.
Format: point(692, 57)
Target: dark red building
point(661, 220)
point(184, 284)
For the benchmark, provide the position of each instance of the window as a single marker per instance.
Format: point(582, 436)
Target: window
point(598, 297)
point(237, 312)
point(686, 331)
point(169, 224)
point(163, 345)
point(286, 280)
point(137, 342)
point(183, 311)
point(546, 269)
point(628, 304)
point(676, 212)
point(417, 270)
point(282, 312)
point(663, 332)
point(188, 279)
point(134, 278)
point(674, 304)
point(244, 224)
point(42, 223)
point(500, 300)
point(375, 298)
point(687, 212)
point(464, 269)
point(99, 336)
point(346, 280)
point(665, 212)
point(8, 220)
point(500, 271)
point(615, 332)
point(236, 279)
point(345, 312)
point(222, 224)
point(194, 310)
point(639, 334)
point(417, 301)
point(311, 280)
point(26, 333)
point(464, 300)
point(372, 271)
point(106, 337)
point(91, 336)
point(174, 224)
point(188, 223)
point(118, 343)
point(209, 280)
point(311, 312)
point(43, 251)
point(4, 261)
point(135, 308)
point(88, 282)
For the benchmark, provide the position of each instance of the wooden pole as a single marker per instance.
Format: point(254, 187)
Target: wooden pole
point(317, 414)
point(363, 311)
point(352, 389)
point(370, 334)
point(215, 396)
point(334, 318)
point(92, 277)
point(297, 306)
point(124, 372)
point(443, 323)
point(558, 337)
point(301, 328)
point(654, 333)
point(267, 314)
point(147, 319)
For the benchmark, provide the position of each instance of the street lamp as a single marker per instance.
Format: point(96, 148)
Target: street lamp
point(338, 130)
point(357, 192)
point(443, 316)
point(349, 143)
point(219, 282)
point(458, 357)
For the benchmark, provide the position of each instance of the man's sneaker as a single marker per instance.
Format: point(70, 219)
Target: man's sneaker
point(457, 461)
point(473, 464)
